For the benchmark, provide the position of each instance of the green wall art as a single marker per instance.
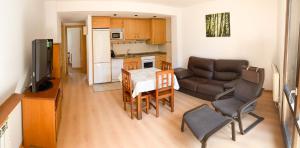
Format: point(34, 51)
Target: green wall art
point(218, 25)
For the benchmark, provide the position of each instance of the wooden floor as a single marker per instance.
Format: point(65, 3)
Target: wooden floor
point(97, 119)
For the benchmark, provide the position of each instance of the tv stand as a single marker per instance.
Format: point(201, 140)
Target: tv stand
point(41, 116)
point(45, 86)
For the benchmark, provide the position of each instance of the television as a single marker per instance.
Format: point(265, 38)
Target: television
point(42, 53)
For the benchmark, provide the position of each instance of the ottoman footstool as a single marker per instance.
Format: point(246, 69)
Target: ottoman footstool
point(204, 122)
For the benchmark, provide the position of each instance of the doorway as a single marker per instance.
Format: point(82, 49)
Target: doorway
point(74, 45)
point(74, 48)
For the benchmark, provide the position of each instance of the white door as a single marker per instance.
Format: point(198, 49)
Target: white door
point(101, 45)
point(102, 72)
point(73, 36)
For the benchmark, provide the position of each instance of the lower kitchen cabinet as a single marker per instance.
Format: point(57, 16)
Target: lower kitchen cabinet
point(116, 69)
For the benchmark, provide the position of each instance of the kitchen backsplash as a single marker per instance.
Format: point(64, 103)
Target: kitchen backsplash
point(135, 47)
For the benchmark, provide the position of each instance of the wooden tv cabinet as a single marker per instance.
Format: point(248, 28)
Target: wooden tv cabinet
point(41, 116)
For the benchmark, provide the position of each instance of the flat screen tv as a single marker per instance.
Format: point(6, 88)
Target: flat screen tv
point(42, 52)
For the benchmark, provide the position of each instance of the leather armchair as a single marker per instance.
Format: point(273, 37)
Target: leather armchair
point(245, 95)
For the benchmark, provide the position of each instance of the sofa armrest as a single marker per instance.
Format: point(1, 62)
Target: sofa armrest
point(231, 84)
point(182, 73)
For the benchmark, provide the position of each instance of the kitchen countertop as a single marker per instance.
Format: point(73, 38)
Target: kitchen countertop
point(133, 55)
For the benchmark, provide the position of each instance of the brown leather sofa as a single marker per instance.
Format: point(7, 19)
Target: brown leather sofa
point(205, 78)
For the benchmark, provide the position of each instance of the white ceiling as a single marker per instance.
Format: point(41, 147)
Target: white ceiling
point(172, 3)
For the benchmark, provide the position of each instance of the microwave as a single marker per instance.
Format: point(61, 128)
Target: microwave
point(116, 34)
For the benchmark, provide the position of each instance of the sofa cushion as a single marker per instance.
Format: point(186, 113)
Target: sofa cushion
point(182, 73)
point(201, 67)
point(228, 70)
point(217, 82)
point(191, 83)
point(209, 89)
point(225, 76)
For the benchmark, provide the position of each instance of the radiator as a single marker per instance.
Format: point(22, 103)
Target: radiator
point(3, 134)
point(276, 83)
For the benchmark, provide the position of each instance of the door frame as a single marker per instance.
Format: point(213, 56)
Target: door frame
point(296, 113)
point(64, 28)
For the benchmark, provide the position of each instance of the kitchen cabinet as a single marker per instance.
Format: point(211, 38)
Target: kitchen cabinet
point(158, 31)
point(116, 69)
point(136, 29)
point(158, 60)
point(130, 30)
point(100, 22)
point(143, 28)
point(116, 23)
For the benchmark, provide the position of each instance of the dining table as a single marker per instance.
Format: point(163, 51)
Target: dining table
point(144, 80)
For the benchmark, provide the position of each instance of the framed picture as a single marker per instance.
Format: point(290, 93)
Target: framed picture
point(218, 25)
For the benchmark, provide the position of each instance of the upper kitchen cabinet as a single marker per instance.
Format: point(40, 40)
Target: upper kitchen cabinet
point(130, 29)
point(158, 31)
point(101, 22)
point(116, 23)
point(137, 29)
point(143, 28)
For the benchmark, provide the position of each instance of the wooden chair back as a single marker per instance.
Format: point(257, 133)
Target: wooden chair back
point(166, 65)
point(126, 82)
point(164, 83)
point(131, 65)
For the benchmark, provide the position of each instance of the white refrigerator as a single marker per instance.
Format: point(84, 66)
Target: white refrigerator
point(101, 55)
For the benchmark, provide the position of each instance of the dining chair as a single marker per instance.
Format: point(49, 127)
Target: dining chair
point(131, 65)
point(127, 93)
point(164, 89)
point(166, 65)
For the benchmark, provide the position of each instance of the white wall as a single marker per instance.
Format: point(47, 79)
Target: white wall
point(22, 21)
point(73, 36)
point(279, 60)
point(89, 50)
point(254, 33)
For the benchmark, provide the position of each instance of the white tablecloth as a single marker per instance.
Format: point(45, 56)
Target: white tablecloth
point(144, 80)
